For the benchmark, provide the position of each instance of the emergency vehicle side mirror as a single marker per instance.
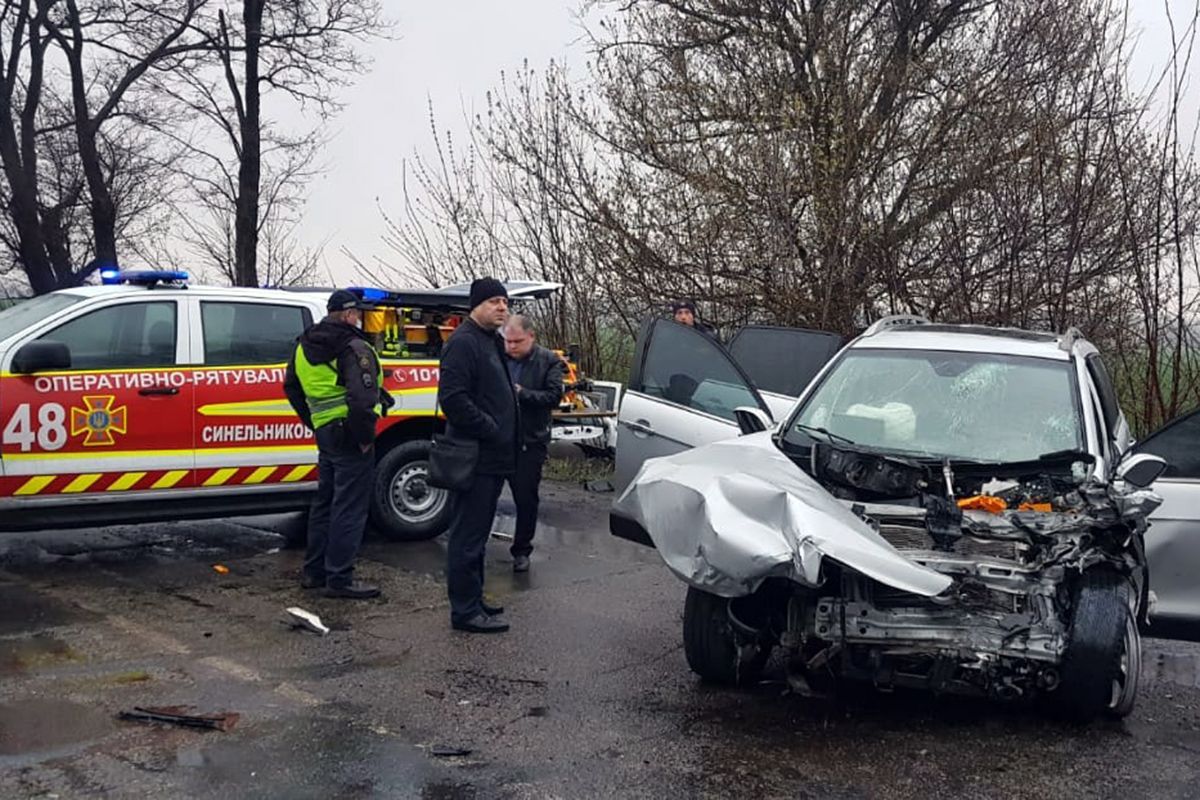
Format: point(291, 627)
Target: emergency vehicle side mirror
point(41, 357)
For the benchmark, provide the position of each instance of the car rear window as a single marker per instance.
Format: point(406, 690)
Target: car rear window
point(251, 333)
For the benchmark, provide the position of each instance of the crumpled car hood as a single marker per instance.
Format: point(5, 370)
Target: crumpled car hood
point(730, 514)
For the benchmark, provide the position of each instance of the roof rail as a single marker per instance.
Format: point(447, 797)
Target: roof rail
point(894, 321)
point(1067, 340)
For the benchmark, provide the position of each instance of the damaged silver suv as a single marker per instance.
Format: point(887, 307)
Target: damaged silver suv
point(944, 507)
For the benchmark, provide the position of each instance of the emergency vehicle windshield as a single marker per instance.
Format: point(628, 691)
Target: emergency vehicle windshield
point(17, 318)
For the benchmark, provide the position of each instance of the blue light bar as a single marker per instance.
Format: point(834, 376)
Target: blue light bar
point(143, 277)
point(370, 294)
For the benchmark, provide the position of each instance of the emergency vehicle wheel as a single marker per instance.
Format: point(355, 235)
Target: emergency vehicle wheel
point(404, 507)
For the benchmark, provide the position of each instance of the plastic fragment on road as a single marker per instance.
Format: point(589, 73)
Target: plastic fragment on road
point(221, 568)
point(1043, 507)
point(306, 619)
point(179, 715)
point(983, 502)
point(446, 751)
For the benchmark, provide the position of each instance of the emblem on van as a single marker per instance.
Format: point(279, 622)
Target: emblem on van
point(99, 420)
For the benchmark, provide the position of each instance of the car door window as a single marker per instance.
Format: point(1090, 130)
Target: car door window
point(250, 333)
point(685, 367)
point(1178, 444)
point(783, 360)
point(124, 336)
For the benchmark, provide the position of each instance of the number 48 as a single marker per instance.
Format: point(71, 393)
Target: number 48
point(51, 433)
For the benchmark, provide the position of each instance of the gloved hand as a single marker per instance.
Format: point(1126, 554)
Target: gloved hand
point(386, 401)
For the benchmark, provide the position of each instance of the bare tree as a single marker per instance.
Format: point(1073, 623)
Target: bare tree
point(301, 51)
point(109, 47)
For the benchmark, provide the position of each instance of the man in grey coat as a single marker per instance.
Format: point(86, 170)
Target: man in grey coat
point(537, 378)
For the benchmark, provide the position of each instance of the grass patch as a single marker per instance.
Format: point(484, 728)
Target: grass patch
point(577, 470)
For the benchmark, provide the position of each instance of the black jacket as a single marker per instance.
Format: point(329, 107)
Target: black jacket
point(475, 393)
point(358, 371)
point(541, 382)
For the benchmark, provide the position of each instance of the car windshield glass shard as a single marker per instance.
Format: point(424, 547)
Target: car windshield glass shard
point(971, 406)
point(17, 318)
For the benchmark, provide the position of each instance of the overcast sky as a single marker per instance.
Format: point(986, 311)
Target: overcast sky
point(452, 52)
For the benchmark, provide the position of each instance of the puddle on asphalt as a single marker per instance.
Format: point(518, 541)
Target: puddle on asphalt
point(27, 611)
point(314, 757)
point(21, 656)
point(40, 727)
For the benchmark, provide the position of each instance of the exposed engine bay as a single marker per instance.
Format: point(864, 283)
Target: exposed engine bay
point(959, 577)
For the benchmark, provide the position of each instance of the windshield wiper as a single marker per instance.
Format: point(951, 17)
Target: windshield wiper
point(828, 433)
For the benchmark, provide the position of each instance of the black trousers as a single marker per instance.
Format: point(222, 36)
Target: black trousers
point(524, 484)
point(470, 527)
point(338, 517)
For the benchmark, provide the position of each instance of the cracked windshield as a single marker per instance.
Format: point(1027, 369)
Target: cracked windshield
point(981, 407)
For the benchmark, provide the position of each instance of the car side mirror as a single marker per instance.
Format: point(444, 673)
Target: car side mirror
point(41, 356)
point(752, 420)
point(1141, 470)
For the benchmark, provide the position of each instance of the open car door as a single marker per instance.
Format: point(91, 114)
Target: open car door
point(1173, 539)
point(781, 362)
point(682, 393)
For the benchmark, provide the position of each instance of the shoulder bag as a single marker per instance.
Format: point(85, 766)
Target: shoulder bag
point(452, 459)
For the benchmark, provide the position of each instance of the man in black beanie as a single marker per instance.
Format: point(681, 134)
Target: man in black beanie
point(684, 312)
point(477, 397)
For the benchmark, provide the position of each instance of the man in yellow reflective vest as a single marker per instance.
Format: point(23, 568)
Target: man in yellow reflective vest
point(335, 384)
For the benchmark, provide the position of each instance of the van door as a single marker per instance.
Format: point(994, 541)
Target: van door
point(682, 393)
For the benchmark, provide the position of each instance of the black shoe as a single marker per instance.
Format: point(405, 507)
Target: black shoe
point(355, 591)
point(309, 582)
point(480, 623)
point(492, 611)
point(520, 563)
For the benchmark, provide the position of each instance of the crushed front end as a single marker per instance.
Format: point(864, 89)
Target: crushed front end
point(959, 578)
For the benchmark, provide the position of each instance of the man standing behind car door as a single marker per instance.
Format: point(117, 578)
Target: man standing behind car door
point(537, 377)
point(475, 393)
point(335, 384)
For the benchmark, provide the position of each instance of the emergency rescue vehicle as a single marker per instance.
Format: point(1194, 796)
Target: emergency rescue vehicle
point(146, 398)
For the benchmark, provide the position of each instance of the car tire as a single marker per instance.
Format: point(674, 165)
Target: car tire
point(404, 508)
point(1101, 666)
point(710, 644)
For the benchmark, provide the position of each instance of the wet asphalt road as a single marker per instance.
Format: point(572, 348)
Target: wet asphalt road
point(588, 696)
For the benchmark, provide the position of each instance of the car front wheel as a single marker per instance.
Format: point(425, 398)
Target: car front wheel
point(404, 507)
point(1103, 660)
point(713, 648)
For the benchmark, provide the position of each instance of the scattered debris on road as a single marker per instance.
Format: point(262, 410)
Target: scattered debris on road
point(306, 619)
point(445, 751)
point(221, 568)
point(178, 715)
point(601, 486)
